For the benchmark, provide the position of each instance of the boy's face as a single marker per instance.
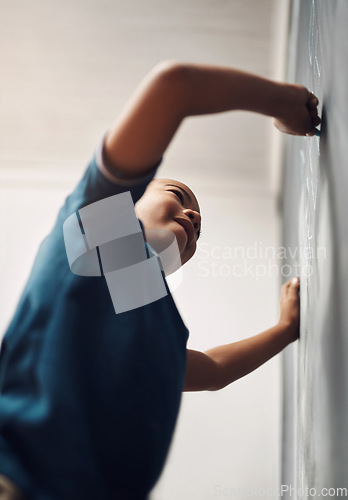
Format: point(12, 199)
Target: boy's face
point(171, 205)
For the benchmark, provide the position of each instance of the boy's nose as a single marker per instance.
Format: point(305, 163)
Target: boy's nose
point(195, 218)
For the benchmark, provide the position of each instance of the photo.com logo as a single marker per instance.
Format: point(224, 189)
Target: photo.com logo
point(105, 238)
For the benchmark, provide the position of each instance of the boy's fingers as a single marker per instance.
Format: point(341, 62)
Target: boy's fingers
point(312, 133)
point(284, 290)
point(312, 101)
point(295, 284)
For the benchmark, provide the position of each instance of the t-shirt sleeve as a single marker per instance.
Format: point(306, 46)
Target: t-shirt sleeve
point(99, 182)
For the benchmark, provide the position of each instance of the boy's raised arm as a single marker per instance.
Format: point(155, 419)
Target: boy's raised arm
point(173, 91)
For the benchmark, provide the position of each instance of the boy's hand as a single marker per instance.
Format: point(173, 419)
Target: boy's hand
point(297, 113)
point(290, 308)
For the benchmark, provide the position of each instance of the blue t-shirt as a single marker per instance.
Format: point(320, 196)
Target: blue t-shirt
point(88, 398)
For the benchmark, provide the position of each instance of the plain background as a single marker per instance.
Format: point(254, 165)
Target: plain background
point(67, 68)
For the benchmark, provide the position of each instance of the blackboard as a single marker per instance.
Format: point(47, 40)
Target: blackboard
point(314, 209)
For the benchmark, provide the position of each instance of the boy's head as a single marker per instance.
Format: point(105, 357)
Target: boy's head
point(171, 206)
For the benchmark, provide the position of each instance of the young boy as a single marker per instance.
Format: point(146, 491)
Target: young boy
point(89, 398)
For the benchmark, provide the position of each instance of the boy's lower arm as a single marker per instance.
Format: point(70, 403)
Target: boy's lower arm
point(240, 358)
point(173, 91)
point(214, 89)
